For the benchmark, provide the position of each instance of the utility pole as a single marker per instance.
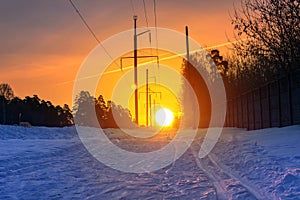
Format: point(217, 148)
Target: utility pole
point(189, 65)
point(152, 93)
point(148, 93)
point(187, 44)
point(135, 57)
point(135, 73)
point(147, 96)
point(150, 111)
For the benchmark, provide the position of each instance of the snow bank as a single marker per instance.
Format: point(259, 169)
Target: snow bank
point(19, 132)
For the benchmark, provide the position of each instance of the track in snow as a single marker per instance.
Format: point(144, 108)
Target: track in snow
point(227, 184)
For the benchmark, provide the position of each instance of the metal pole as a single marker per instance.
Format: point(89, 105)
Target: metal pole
point(154, 109)
point(135, 72)
point(188, 66)
point(290, 99)
point(150, 110)
point(187, 44)
point(147, 90)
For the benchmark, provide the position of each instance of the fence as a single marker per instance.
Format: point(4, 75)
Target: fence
point(275, 104)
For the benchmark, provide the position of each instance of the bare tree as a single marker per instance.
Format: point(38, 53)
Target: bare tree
point(271, 29)
point(6, 94)
point(6, 91)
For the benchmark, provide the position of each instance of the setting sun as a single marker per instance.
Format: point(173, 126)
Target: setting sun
point(164, 117)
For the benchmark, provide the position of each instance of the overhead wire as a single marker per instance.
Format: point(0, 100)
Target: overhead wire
point(92, 32)
point(147, 23)
point(95, 37)
point(156, 33)
point(150, 37)
point(165, 58)
point(155, 24)
point(145, 11)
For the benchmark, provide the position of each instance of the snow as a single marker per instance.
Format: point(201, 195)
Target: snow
point(52, 163)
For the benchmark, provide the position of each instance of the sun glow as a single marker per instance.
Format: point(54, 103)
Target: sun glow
point(164, 117)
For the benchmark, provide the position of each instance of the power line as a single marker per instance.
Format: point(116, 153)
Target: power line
point(145, 11)
point(91, 31)
point(165, 58)
point(156, 32)
point(94, 35)
point(155, 24)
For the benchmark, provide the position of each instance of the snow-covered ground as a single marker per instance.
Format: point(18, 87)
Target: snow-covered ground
point(52, 163)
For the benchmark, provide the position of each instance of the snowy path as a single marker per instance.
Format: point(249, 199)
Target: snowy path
point(52, 163)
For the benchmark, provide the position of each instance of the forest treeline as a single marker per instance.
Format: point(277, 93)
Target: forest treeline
point(108, 114)
point(32, 110)
point(38, 112)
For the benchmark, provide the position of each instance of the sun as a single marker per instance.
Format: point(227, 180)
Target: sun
point(164, 117)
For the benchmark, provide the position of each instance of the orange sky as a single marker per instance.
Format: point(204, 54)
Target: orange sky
point(43, 43)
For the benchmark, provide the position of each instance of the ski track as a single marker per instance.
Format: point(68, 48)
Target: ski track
point(219, 174)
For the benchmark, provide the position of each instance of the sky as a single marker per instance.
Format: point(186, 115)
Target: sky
point(43, 43)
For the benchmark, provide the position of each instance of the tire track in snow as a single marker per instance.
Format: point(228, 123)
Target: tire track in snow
point(219, 173)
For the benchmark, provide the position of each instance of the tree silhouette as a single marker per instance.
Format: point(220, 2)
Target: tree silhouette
point(222, 65)
point(6, 94)
point(108, 115)
point(214, 69)
point(101, 110)
point(6, 91)
point(32, 109)
point(66, 118)
point(271, 29)
point(83, 108)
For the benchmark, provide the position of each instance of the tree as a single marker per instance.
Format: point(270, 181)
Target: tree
point(101, 110)
point(31, 109)
point(6, 91)
point(67, 117)
point(222, 65)
point(14, 111)
point(6, 94)
point(270, 29)
point(118, 117)
point(214, 70)
point(108, 115)
point(84, 107)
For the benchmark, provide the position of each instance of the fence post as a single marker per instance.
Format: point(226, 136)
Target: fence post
point(247, 104)
point(237, 112)
point(269, 104)
point(279, 103)
point(253, 109)
point(260, 108)
point(290, 99)
point(234, 114)
point(241, 111)
point(227, 114)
